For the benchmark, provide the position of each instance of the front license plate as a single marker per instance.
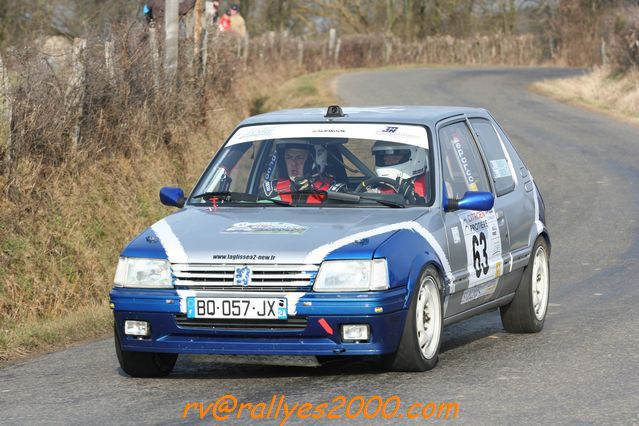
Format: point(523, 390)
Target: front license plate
point(249, 308)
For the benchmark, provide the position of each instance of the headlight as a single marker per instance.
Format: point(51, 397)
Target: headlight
point(143, 273)
point(352, 275)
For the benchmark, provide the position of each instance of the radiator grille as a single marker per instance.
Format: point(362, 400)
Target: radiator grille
point(263, 277)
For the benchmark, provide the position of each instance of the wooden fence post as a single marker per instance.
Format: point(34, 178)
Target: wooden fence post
point(208, 28)
point(76, 89)
point(245, 50)
point(155, 54)
point(108, 60)
point(300, 53)
point(197, 31)
point(171, 28)
point(338, 46)
point(6, 115)
point(604, 56)
point(332, 34)
point(388, 50)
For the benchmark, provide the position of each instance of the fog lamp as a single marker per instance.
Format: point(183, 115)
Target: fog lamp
point(136, 328)
point(355, 332)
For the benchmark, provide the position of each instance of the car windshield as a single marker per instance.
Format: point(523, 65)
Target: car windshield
point(347, 165)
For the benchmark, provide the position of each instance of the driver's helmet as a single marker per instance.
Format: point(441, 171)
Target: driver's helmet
point(317, 158)
point(396, 160)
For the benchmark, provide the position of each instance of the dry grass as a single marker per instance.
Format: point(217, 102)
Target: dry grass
point(616, 95)
point(310, 90)
point(59, 255)
point(33, 337)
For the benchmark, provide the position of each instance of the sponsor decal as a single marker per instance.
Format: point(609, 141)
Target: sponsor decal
point(241, 256)
point(261, 132)
point(474, 293)
point(265, 228)
point(500, 168)
point(242, 276)
point(483, 246)
point(455, 232)
point(271, 167)
point(268, 188)
point(390, 129)
point(396, 132)
point(328, 131)
point(468, 174)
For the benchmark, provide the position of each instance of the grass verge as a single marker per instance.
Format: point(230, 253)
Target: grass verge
point(311, 90)
point(90, 217)
point(616, 95)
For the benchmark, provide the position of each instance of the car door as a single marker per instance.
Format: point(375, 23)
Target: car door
point(478, 243)
point(509, 204)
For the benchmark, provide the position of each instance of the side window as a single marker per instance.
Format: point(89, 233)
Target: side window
point(498, 161)
point(463, 167)
point(239, 167)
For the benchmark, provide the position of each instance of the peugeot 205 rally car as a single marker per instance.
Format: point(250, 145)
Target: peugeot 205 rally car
point(326, 233)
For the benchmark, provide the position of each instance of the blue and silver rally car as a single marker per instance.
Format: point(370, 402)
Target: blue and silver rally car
point(331, 233)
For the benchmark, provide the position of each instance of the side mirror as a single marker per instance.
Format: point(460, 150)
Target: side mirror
point(172, 196)
point(471, 201)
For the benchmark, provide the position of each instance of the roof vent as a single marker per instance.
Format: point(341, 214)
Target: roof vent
point(334, 111)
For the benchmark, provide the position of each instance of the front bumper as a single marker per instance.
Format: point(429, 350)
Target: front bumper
point(304, 334)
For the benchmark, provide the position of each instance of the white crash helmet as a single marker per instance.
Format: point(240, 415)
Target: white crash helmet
point(411, 160)
point(318, 159)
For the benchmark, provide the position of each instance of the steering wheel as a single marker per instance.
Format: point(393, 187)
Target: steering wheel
point(377, 181)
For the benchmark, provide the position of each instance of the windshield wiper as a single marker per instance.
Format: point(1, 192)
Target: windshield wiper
point(272, 200)
point(226, 196)
point(356, 198)
point(238, 196)
point(348, 197)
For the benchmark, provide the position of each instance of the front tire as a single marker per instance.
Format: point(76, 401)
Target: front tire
point(419, 346)
point(144, 364)
point(526, 313)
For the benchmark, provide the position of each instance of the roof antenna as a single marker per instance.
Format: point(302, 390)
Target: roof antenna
point(334, 111)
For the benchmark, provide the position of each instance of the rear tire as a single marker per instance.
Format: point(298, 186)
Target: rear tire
point(419, 346)
point(527, 311)
point(144, 364)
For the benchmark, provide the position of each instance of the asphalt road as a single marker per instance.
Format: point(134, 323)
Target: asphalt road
point(582, 368)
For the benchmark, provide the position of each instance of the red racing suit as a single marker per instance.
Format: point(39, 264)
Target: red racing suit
point(419, 187)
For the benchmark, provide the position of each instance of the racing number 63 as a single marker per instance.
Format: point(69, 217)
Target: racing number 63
point(481, 266)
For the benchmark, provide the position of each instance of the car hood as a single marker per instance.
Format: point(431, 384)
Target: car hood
point(269, 235)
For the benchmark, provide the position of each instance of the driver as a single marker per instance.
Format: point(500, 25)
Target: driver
point(405, 164)
point(301, 168)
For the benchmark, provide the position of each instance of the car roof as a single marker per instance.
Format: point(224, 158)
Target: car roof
point(428, 115)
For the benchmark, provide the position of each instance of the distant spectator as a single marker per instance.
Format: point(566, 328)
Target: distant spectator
point(148, 14)
point(216, 12)
point(225, 21)
point(237, 22)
